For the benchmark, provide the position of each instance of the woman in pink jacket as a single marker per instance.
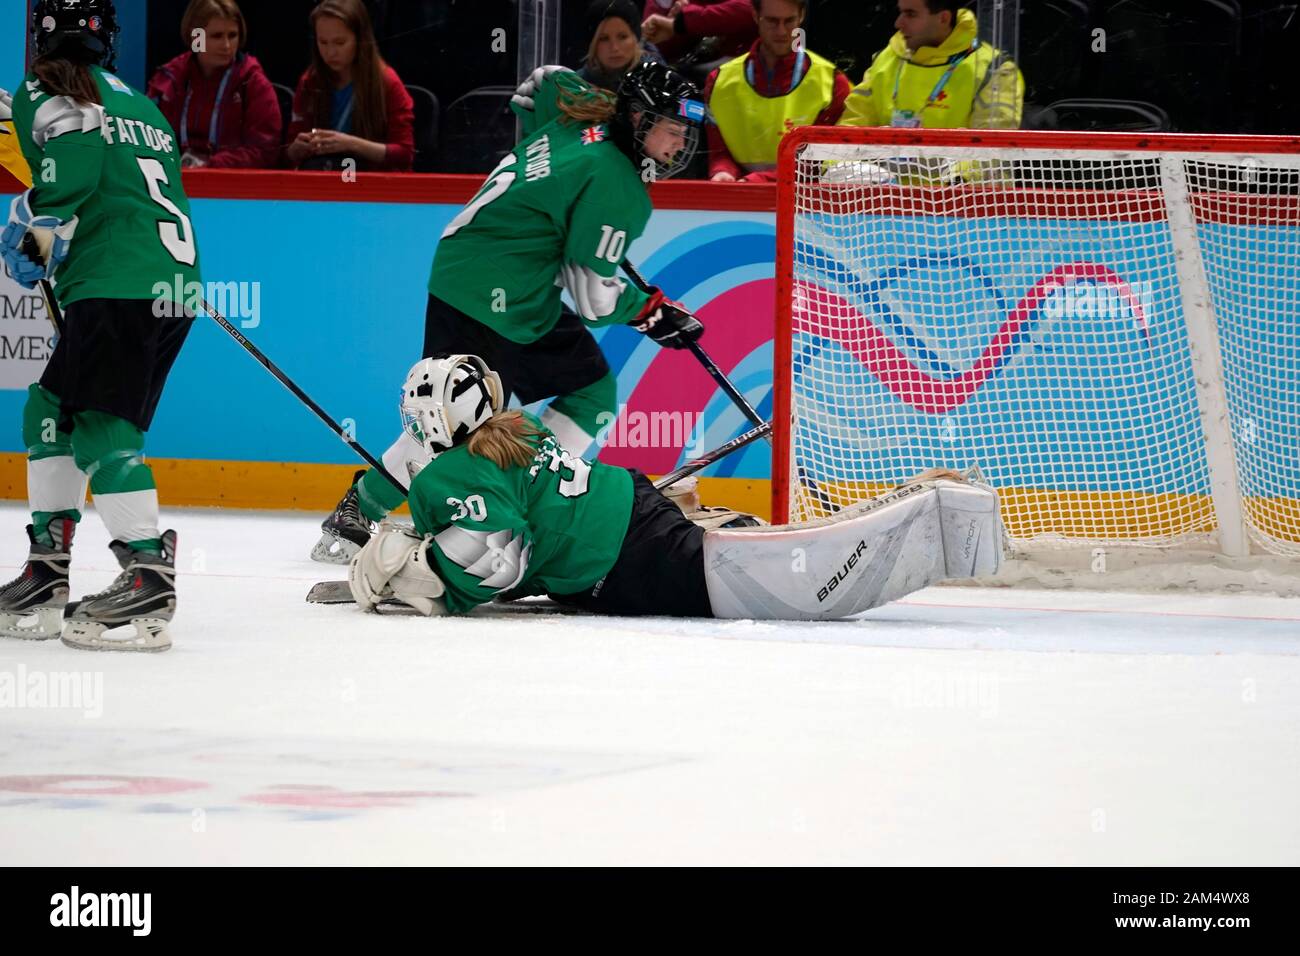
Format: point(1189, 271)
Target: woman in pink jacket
point(350, 104)
point(218, 100)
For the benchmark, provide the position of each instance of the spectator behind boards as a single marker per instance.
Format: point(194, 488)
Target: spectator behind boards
point(350, 103)
point(696, 37)
point(616, 44)
point(219, 102)
point(936, 74)
point(778, 85)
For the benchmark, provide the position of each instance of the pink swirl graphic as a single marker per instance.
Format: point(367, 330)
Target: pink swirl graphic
point(826, 314)
point(737, 321)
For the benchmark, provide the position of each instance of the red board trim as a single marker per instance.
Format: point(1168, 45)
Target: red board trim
point(448, 189)
point(1095, 205)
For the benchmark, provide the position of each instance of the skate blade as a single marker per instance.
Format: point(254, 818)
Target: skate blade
point(331, 549)
point(38, 624)
point(150, 636)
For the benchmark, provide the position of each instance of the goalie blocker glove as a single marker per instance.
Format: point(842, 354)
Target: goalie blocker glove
point(665, 321)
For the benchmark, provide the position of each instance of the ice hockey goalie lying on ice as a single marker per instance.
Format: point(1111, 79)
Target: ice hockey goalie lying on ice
point(502, 507)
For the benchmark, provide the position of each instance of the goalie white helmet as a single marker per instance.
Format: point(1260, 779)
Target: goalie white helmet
point(445, 399)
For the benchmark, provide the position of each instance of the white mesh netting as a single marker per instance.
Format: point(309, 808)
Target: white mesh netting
point(1047, 316)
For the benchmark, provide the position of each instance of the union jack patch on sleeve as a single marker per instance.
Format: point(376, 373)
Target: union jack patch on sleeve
point(594, 134)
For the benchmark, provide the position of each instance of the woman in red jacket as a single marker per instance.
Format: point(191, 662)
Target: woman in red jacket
point(350, 103)
point(678, 28)
point(218, 100)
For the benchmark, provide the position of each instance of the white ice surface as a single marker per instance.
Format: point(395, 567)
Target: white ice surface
point(960, 726)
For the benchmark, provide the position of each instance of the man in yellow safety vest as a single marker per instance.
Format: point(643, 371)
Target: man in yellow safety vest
point(937, 74)
point(778, 85)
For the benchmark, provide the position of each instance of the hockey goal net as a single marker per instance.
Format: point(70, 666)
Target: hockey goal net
point(1107, 324)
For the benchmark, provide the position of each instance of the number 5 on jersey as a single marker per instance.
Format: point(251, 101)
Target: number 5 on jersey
point(177, 237)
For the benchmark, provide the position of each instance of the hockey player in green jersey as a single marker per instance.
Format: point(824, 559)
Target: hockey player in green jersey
point(556, 214)
point(111, 224)
point(502, 507)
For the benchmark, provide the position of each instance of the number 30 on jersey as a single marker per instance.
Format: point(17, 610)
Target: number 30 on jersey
point(473, 507)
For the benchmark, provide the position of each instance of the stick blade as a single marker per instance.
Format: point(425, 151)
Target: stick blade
point(330, 592)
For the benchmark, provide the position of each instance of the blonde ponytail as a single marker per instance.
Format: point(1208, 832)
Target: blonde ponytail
point(507, 439)
point(587, 106)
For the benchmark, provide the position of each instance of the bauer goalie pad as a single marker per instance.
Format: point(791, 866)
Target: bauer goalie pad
point(859, 558)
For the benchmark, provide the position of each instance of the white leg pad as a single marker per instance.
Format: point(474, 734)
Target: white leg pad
point(130, 515)
point(860, 558)
point(56, 484)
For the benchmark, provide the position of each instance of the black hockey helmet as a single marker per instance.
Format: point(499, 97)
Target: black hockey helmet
point(84, 30)
point(649, 93)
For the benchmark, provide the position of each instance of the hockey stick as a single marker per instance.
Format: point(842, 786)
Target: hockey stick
point(708, 458)
point(709, 365)
point(764, 428)
point(302, 396)
point(33, 252)
point(56, 317)
point(52, 306)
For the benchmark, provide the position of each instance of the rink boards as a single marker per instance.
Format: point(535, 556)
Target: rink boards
point(334, 292)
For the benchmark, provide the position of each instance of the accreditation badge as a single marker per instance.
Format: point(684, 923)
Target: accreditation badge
point(905, 119)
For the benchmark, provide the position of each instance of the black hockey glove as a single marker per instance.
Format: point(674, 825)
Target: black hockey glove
point(665, 321)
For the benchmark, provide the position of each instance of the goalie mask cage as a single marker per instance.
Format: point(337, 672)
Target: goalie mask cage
point(1107, 324)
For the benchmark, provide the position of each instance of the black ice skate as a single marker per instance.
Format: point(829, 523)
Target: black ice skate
point(345, 532)
point(31, 605)
point(143, 597)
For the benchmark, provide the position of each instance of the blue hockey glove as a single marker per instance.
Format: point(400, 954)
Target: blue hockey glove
point(47, 232)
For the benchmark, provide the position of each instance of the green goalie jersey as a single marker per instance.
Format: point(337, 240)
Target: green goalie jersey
point(555, 526)
point(116, 168)
point(559, 212)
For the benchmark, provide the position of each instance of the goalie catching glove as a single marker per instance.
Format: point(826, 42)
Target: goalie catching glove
point(395, 566)
point(665, 321)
